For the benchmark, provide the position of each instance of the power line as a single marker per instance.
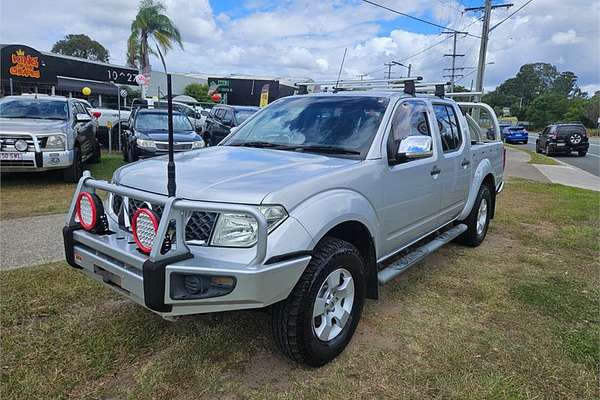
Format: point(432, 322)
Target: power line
point(412, 17)
point(507, 18)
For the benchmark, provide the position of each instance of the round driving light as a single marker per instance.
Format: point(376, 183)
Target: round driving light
point(87, 210)
point(21, 145)
point(144, 226)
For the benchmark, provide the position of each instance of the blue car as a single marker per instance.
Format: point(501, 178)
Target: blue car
point(515, 134)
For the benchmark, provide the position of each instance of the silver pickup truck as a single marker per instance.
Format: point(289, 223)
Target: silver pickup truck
point(307, 208)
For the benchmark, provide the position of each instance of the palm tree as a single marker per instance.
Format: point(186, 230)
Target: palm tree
point(150, 22)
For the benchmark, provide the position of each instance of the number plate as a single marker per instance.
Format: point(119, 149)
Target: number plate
point(560, 144)
point(11, 156)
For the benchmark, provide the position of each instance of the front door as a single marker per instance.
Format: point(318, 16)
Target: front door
point(411, 189)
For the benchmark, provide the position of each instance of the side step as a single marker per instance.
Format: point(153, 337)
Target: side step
point(404, 263)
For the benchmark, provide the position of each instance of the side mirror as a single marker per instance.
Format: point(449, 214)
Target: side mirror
point(82, 118)
point(204, 113)
point(414, 147)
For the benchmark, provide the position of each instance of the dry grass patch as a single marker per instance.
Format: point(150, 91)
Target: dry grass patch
point(514, 318)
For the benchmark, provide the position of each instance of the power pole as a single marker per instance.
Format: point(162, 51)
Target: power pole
point(485, 31)
point(389, 65)
point(361, 76)
point(453, 75)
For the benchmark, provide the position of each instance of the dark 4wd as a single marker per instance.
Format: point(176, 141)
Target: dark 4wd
point(564, 139)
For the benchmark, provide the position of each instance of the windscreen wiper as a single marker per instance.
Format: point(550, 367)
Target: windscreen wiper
point(262, 145)
point(328, 149)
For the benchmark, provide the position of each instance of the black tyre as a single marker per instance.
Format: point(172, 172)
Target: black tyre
point(97, 155)
point(316, 322)
point(548, 151)
point(131, 154)
point(582, 153)
point(478, 220)
point(537, 149)
point(74, 172)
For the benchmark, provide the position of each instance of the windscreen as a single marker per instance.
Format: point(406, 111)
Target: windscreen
point(348, 122)
point(146, 122)
point(34, 109)
point(243, 115)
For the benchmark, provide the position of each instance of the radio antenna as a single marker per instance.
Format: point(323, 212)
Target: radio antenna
point(341, 67)
point(171, 184)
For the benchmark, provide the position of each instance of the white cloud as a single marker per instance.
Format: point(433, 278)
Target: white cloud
point(568, 37)
point(307, 38)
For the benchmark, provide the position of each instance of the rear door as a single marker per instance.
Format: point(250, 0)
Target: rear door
point(411, 189)
point(455, 162)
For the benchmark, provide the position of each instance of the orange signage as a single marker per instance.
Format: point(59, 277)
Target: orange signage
point(24, 65)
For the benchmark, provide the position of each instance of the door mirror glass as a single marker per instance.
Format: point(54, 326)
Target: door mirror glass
point(83, 118)
point(204, 113)
point(414, 147)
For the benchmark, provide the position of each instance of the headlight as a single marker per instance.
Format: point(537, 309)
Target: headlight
point(241, 230)
point(146, 144)
point(55, 142)
point(198, 144)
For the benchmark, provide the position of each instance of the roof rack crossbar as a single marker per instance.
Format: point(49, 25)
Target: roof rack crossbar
point(359, 82)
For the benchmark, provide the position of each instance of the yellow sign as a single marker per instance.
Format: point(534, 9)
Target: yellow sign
point(24, 65)
point(264, 96)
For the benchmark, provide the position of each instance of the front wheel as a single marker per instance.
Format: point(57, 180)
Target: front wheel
point(97, 155)
point(478, 220)
point(317, 320)
point(548, 151)
point(131, 154)
point(74, 172)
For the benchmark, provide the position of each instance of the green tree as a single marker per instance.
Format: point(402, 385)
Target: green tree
point(546, 109)
point(151, 22)
point(81, 46)
point(591, 110)
point(199, 91)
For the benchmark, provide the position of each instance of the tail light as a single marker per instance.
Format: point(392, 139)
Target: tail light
point(96, 114)
point(144, 226)
point(90, 212)
point(503, 158)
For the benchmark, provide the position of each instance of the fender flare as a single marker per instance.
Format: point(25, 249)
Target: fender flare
point(483, 169)
point(326, 210)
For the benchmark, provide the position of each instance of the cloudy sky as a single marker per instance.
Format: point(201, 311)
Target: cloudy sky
point(307, 38)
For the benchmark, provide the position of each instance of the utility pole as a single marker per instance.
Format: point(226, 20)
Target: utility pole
point(453, 75)
point(408, 67)
point(361, 76)
point(389, 65)
point(485, 31)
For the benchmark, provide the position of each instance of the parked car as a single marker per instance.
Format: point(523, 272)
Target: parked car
point(147, 134)
point(41, 133)
point(564, 139)
point(515, 134)
point(308, 207)
point(503, 126)
point(222, 118)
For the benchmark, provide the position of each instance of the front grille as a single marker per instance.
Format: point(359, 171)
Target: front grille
point(16, 163)
point(198, 229)
point(164, 146)
point(200, 226)
point(7, 142)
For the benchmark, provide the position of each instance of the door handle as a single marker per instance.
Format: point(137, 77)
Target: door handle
point(465, 162)
point(435, 171)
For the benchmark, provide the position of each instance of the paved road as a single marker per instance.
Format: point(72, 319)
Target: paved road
point(31, 241)
point(589, 163)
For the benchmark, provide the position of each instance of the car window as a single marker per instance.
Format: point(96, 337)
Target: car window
point(228, 116)
point(410, 119)
point(448, 126)
point(219, 113)
point(80, 108)
point(146, 122)
point(32, 108)
point(347, 122)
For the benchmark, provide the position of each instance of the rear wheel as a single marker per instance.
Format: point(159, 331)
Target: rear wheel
point(317, 320)
point(479, 219)
point(548, 151)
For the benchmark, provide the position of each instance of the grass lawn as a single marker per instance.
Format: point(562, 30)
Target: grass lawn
point(515, 318)
point(30, 194)
point(536, 158)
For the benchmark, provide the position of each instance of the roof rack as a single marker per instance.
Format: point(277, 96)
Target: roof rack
point(411, 86)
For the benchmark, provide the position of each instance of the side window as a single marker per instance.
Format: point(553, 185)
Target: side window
point(80, 108)
point(410, 119)
point(228, 117)
point(219, 113)
point(449, 127)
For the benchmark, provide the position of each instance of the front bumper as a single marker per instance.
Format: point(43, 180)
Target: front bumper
point(39, 161)
point(115, 260)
